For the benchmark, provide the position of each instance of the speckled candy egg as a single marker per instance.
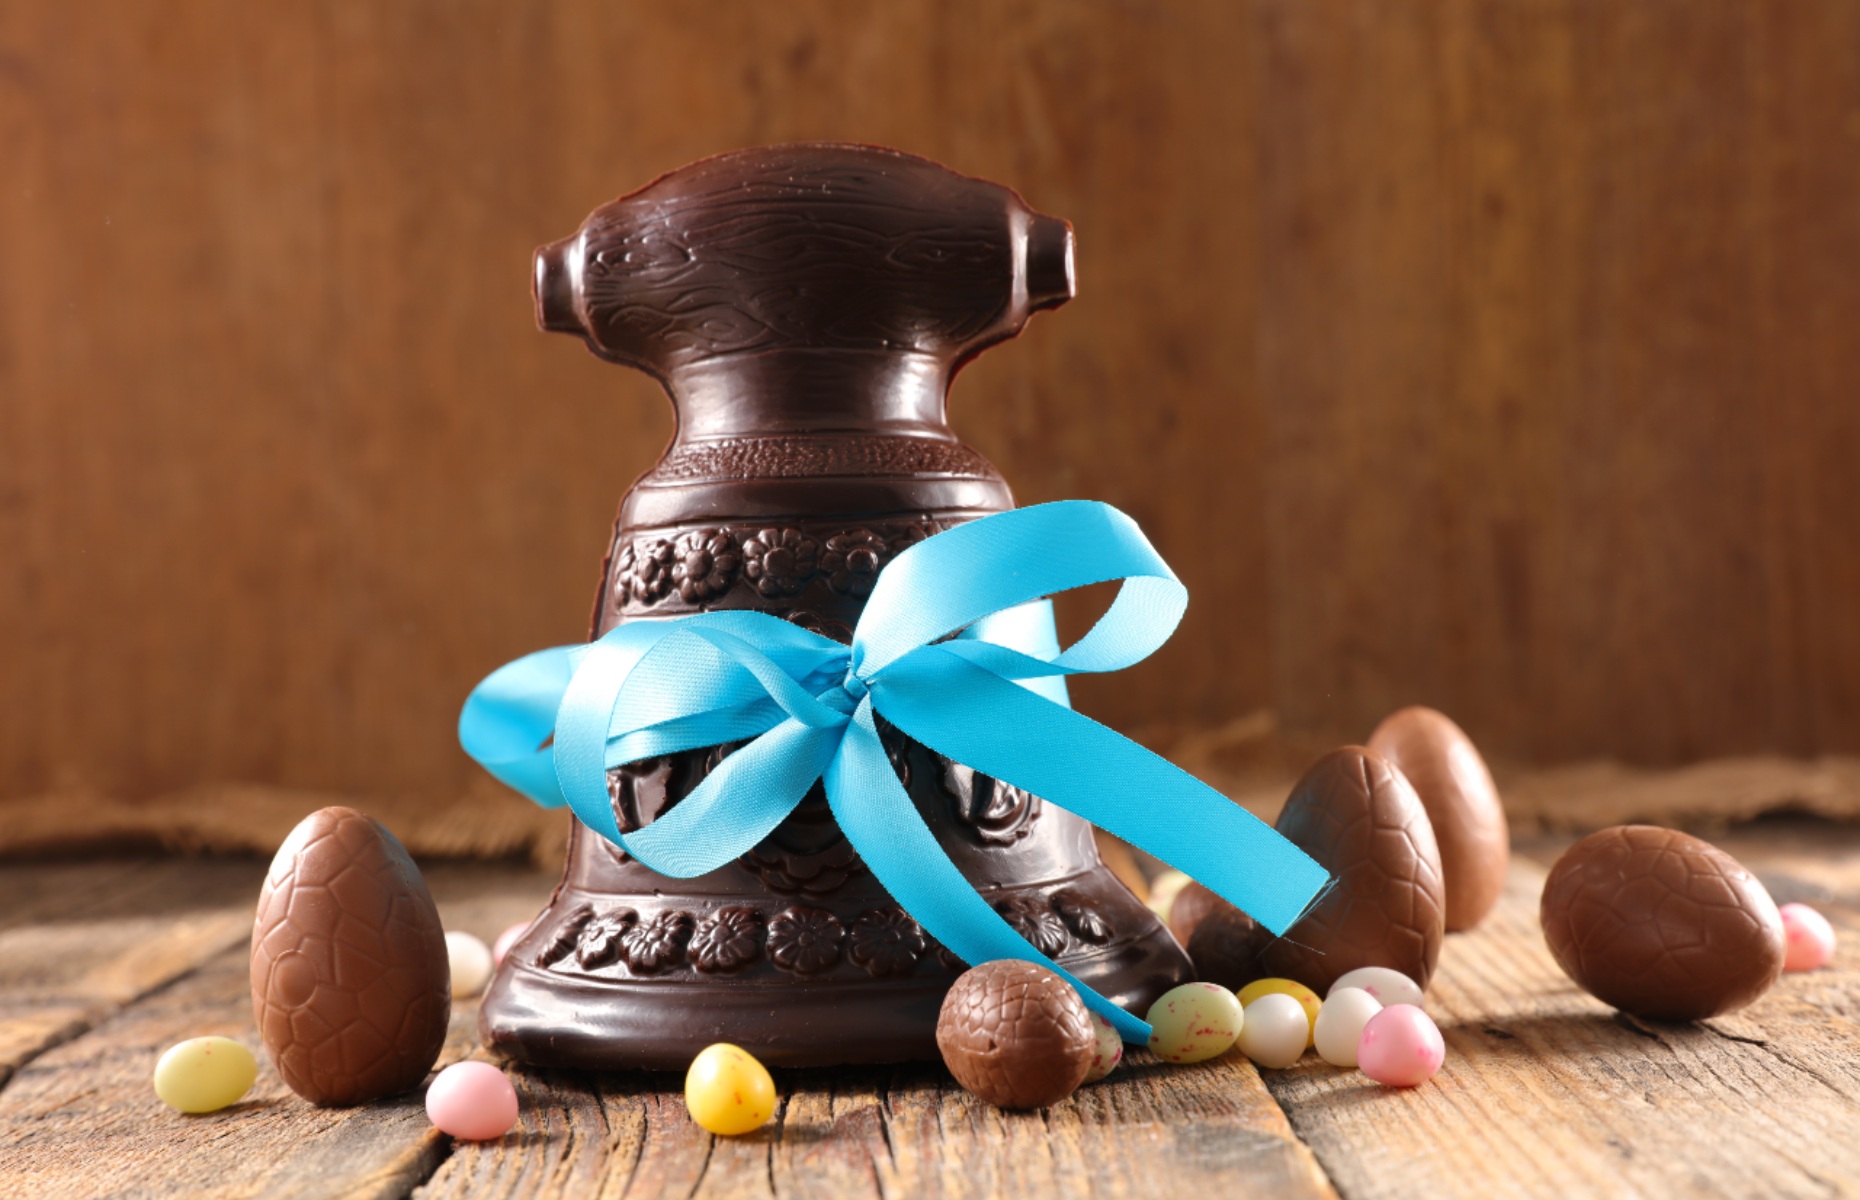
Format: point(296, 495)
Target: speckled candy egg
point(1360, 819)
point(728, 1091)
point(1661, 924)
point(1462, 805)
point(1110, 1050)
point(350, 978)
point(1194, 1022)
point(1016, 1035)
point(1386, 985)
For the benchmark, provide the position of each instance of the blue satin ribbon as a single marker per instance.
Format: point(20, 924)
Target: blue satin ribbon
point(992, 697)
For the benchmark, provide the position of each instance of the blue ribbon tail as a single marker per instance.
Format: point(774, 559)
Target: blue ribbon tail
point(878, 818)
point(1005, 731)
point(509, 718)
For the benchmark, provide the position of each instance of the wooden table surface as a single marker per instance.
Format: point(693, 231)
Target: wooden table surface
point(1546, 1092)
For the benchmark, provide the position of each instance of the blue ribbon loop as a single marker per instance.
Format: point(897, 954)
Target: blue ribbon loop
point(956, 648)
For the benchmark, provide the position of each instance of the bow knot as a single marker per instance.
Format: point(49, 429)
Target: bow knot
point(955, 648)
point(848, 694)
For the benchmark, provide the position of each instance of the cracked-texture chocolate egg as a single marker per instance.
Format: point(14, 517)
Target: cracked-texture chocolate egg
point(351, 987)
point(1462, 805)
point(1016, 1035)
point(1360, 819)
point(1660, 924)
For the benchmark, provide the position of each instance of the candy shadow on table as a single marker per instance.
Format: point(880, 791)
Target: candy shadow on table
point(1530, 1037)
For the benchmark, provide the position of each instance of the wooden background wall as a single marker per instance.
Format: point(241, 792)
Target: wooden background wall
point(1498, 354)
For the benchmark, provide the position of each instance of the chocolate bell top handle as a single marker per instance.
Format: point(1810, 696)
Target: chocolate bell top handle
point(805, 287)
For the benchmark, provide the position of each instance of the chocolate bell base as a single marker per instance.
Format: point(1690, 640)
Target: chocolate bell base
point(536, 1016)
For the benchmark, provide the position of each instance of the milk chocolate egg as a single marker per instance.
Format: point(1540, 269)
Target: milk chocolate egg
point(1016, 1034)
point(1225, 948)
point(1462, 805)
point(350, 978)
point(1360, 819)
point(1193, 904)
point(1661, 924)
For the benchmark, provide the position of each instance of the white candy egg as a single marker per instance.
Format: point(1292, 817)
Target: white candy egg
point(1386, 984)
point(1340, 1024)
point(471, 964)
point(1275, 1030)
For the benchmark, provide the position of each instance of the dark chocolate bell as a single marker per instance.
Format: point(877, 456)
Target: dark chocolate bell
point(805, 307)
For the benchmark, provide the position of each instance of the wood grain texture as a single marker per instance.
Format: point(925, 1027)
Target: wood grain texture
point(1548, 1092)
point(1489, 354)
point(908, 1131)
point(1544, 445)
point(92, 940)
point(80, 1118)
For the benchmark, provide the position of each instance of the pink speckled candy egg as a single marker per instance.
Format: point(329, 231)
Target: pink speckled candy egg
point(1808, 939)
point(1109, 1052)
point(1401, 1047)
point(472, 1101)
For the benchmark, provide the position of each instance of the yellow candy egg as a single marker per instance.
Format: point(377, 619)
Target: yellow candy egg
point(1306, 998)
point(204, 1074)
point(728, 1091)
point(1194, 1022)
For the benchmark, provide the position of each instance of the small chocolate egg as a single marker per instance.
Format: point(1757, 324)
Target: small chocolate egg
point(350, 978)
point(1225, 948)
point(1193, 904)
point(1360, 819)
point(1660, 924)
point(1462, 805)
point(1016, 1035)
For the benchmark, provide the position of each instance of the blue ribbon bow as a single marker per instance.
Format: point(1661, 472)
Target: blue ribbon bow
point(991, 697)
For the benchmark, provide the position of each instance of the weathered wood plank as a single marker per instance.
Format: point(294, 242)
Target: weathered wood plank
point(58, 891)
point(900, 1131)
point(1547, 1092)
point(105, 936)
point(81, 1120)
